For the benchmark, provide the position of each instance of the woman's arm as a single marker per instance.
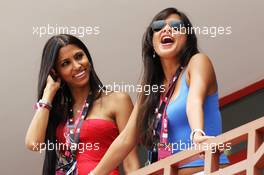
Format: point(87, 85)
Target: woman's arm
point(36, 132)
point(124, 107)
point(121, 146)
point(202, 82)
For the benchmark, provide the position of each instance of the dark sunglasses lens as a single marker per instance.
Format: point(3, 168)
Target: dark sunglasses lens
point(176, 25)
point(158, 25)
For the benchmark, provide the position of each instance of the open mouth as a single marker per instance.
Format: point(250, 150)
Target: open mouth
point(80, 74)
point(167, 40)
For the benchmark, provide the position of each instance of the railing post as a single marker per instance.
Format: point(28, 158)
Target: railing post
point(169, 171)
point(254, 141)
point(211, 161)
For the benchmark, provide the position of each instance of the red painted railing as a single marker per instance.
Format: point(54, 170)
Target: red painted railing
point(252, 132)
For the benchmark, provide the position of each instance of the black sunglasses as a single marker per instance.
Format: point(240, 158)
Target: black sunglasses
point(159, 24)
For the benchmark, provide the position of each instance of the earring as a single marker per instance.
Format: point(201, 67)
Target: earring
point(154, 54)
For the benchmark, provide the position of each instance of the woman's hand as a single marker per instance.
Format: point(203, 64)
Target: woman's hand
point(51, 88)
point(199, 138)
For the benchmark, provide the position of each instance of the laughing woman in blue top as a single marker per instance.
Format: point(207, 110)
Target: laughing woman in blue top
point(170, 48)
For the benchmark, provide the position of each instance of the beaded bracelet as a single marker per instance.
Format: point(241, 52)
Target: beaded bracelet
point(43, 104)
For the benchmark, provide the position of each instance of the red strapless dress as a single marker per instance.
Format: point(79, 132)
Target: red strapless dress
point(95, 138)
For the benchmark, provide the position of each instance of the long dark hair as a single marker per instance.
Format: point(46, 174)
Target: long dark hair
point(62, 101)
point(153, 74)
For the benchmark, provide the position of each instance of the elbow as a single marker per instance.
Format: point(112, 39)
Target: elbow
point(129, 168)
point(131, 162)
point(29, 145)
point(130, 165)
point(126, 167)
point(32, 145)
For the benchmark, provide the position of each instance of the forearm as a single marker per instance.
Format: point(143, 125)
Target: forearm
point(37, 130)
point(118, 150)
point(121, 146)
point(131, 162)
point(195, 115)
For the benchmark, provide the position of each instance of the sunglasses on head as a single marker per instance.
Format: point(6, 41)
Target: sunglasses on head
point(159, 24)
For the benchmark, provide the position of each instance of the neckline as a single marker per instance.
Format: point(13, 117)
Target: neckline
point(101, 119)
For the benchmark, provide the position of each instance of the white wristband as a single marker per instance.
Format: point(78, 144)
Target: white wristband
point(45, 102)
point(194, 131)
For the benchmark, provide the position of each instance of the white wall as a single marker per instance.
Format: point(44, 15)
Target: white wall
point(116, 52)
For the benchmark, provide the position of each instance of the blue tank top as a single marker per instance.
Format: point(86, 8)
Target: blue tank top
point(179, 128)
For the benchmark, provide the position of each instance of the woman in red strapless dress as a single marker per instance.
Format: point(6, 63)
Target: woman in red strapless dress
point(98, 134)
point(74, 109)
